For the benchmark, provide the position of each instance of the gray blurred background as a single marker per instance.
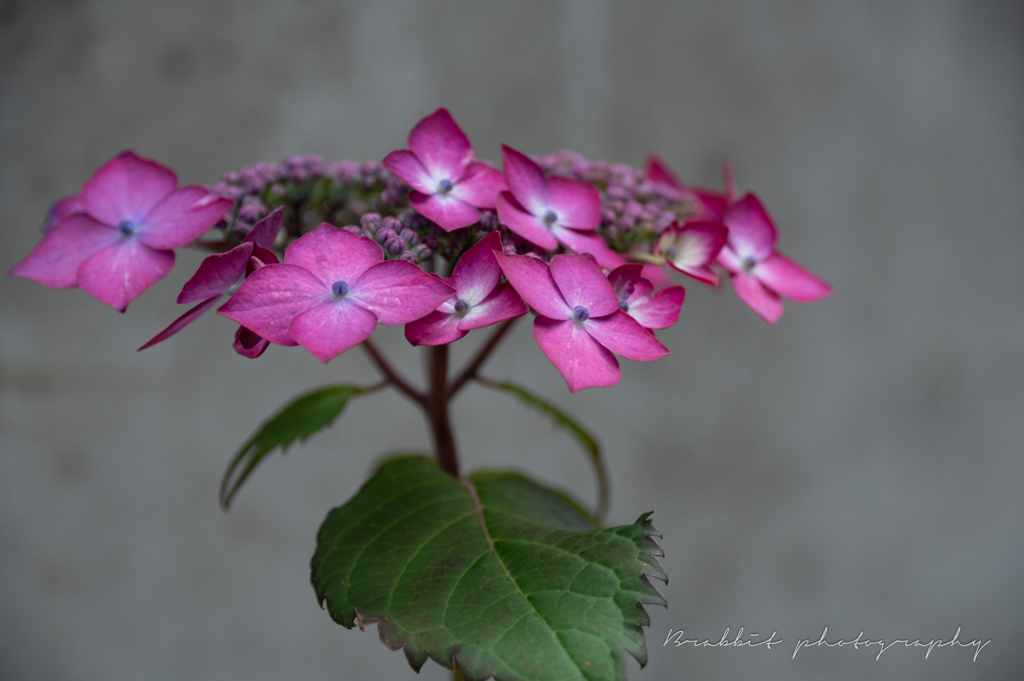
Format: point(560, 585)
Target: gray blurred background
point(859, 465)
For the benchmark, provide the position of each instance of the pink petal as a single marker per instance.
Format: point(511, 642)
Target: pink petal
point(503, 303)
point(61, 209)
point(405, 165)
point(752, 233)
point(786, 278)
point(513, 216)
point(531, 278)
point(624, 336)
point(183, 216)
point(577, 204)
point(332, 327)
point(216, 274)
point(693, 245)
point(333, 254)
point(118, 273)
point(398, 292)
point(588, 242)
point(582, 361)
point(582, 284)
point(441, 146)
point(658, 171)
point(728, 259)
point(525, 180)
point(55, 259)
point(659, 311)
point(182, 321)
point(477, 272)
point(624, 279)
point(271, 297)
point(730, 182)
point(264, 233)
point(642, 289)
point(447, 211)
point(656, 275)
point(713, 204)
point(760, 299)
point(125, 188)
point(260, 257)
point(248, 343)
point(437, 328)
point(480, 185)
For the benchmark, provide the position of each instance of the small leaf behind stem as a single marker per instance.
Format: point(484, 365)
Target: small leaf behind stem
point(301, 418)
point(582, 436)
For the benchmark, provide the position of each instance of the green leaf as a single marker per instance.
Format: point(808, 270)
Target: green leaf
point(494, 573)
point(578, 432)
point(304, 416)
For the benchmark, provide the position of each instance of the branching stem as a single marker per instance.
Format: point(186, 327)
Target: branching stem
point(481, 356)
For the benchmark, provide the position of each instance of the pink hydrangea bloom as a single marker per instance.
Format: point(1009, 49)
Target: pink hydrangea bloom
point(579, 323)
point(223, 272)
point(759, 273)
point(331, 291)
point(637, 298)
point(480, 300)
point(548, 211)
point(133, 214)
point(693, 247)
point(448, 186)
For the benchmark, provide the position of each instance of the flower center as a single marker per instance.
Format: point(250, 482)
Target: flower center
point(671, 253)
point(461, 306)
point(580, 313)
point(339, 288)
point(550, 218)
point(749, 264)
point(445, 186)
point(126, 227)
point(624, 306)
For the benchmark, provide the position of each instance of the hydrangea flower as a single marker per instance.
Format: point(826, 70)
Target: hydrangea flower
point(692, 248)
point(548, 211)
point(637, 298)
point(579, 323)
point(759, 273)
point(480, 300)
point(331, 291)
point(133, 214)
point(223, 272)
point(448, 186)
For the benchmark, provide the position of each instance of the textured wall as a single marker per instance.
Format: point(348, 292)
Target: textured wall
point(858, 465)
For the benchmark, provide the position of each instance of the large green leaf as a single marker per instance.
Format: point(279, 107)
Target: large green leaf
point(582, 436)
point(495, 572)
point(301, 418)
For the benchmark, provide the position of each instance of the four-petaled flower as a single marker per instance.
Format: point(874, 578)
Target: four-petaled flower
point(579, 322)
point(759, 273)
point(133, 214)
point(330, 292)
point(448, 186)
point(547, 211)
point(222, 273)
point(479, 298)
point(692, 247)
point(637, 298)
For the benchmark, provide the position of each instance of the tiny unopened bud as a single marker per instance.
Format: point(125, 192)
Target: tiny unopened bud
point(370, 221)
point(410, 237)
point(392, 223)
point(394, 245)
point(410, 256)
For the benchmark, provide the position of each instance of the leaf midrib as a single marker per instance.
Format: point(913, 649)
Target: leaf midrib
point(479, 510)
